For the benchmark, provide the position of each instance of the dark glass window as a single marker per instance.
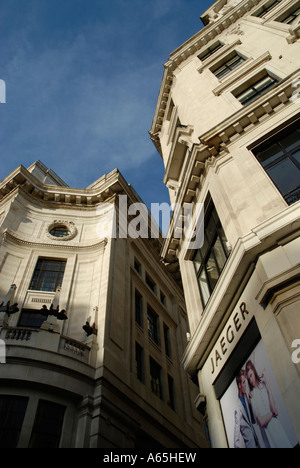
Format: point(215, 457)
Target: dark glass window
point(12, 413)
point(60, 231)
point(48, 275)
point(31, 318)
point(167, 341)
point(153, 325)
point(280, 157)
point(171, 401)
point(47, 426)
point(290, 18)
point(230, 65)
point(210, 260)
point(155, 378)
point(139, 360)
point(138, 308)
point(150, 283)
point(266, 8)
point(210, 51)
point(256, 89)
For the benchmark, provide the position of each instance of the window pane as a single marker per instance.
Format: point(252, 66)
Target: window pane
point(285, 175)
point(291, 141)
point(269, 155)
point(296, 156)
point(47, 427)
point(203, 283)
point(219, 254)
point(212, 271)
point(12, 413)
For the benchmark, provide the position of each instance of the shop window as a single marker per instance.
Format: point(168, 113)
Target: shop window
point(155, 378)
point(48, 275)
point(231, 63)
point(280, 158)
point(153, 330)
point(210, 260)
point(139, 361)
point(138, 308)
point(47, 428)
point(258, 86)
point(265, 9)
point(210, 51)
point(12, 413)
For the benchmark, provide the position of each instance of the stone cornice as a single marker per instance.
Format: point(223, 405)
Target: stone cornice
point(189, 48)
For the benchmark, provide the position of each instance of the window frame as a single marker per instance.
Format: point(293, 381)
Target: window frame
point(227, 65)
point(250, 85)
point(38, 278)
point(211, 50)
point(153, 325)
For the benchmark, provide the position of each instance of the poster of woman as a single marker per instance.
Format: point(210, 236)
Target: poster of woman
point(253, 409)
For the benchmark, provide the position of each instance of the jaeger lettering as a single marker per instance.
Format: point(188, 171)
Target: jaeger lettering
point(229, 336)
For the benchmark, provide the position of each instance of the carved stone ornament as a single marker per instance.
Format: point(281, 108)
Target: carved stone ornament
point(61, 230)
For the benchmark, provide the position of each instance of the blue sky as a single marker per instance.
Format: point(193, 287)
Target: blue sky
point(82, 80)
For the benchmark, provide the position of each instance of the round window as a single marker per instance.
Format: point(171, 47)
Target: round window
point(60, 231)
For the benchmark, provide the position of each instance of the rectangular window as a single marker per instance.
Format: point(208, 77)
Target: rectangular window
point(265, 9)
point(167, 341)
point(137, 266)
point(138, 308)
point(155, 378)
point(231, 64)
point(31, 318)
point(12, 413)
point(210, 260)
point(47, 426)
point(153, 330)
point(280, 158)
point(210, 51)
point(48, 275)
point(150, 283)
point(139, 361)
point(255, 89)
point(290, 17)
point(171, 401)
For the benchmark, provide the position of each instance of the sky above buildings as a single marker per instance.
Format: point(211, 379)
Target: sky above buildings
point(82, 81)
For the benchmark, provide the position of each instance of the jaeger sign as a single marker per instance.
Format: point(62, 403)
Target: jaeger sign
point(233, 331)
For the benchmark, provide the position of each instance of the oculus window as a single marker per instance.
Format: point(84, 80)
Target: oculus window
point(280, 158)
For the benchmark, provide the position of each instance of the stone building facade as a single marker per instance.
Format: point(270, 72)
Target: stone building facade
point(227, 125)
point(92, 325)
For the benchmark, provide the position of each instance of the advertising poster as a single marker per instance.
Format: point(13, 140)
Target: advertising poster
point(253, 410)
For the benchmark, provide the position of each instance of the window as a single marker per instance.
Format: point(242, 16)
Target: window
point(150, 283)
point(210, 51)
point(137, 266)
point(255, 89)
point(153, 325)
point(139, 361)
point(12, 413)
point(138, 308)
point(210, 260)
point(290, 18)
point(48, 275)
point(280, 157)
point(171, 401)
point(231, 64)
point(60, 231)
point(167, 341)
point(262, 12)
point(155, 378)
point(31, 319)
point(47, 426)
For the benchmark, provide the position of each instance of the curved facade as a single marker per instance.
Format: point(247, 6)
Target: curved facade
point(92, 325)
point(227, 125)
